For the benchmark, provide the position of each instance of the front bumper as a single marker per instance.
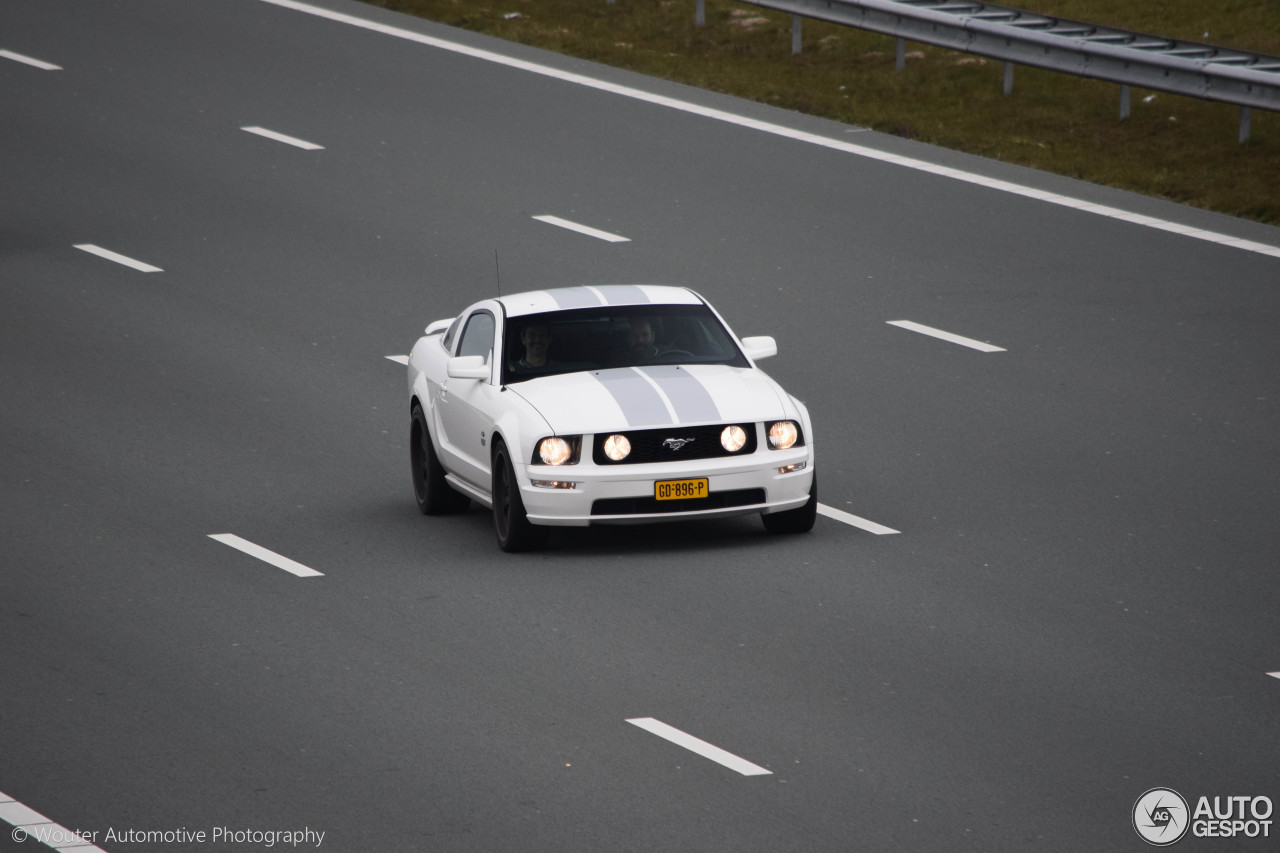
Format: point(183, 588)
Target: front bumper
point(624, 494)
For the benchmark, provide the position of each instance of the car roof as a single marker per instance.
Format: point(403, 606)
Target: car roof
point(593, 296)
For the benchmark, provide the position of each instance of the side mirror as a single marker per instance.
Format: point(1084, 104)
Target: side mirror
point(468, 367)
point(438, 326)
point(760, 346)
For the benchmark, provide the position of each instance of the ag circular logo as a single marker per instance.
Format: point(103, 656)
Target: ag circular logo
point(1161, 816)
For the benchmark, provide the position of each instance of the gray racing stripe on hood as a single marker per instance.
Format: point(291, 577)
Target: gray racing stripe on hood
point(688, 396)
point(573, 297)
point(640, 403)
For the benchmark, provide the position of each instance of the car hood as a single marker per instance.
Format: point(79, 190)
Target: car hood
point(653, 396)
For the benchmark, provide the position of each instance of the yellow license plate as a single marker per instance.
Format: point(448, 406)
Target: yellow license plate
point(677, 490)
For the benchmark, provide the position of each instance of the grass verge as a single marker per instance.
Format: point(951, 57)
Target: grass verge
point(1171, 147)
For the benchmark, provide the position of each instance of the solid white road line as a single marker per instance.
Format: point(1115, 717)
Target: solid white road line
point(27, 60)
point(946, 336)
point(701, 747)
point(29, 824)
point(789, 133)
point(582, 229)
point(118, 258)
point(400, 359)
point(854, 521)
point(287, 140)
point(266, 556)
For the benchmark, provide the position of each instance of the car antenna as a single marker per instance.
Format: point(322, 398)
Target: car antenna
point(497, 272)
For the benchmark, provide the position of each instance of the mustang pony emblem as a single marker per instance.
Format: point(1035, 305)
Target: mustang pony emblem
point(677, 443)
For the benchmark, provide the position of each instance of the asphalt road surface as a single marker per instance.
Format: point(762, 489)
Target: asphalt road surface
point(219, 220)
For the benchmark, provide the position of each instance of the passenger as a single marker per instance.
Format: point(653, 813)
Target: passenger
point(537, 340)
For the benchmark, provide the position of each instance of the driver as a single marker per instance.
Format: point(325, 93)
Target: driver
point(640, 342)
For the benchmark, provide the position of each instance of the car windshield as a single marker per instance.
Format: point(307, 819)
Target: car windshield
point(599, 338)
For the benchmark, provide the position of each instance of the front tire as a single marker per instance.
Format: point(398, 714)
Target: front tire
point(514, 530)
point(434, 495)
point(799, 520)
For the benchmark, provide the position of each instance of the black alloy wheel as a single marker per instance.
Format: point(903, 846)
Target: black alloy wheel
point(434, 495)
point(514, 530)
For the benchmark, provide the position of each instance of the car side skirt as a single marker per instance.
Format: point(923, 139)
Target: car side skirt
point(481, 497)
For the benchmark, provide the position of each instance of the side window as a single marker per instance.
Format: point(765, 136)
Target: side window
point(447, 340)
point(477, 337)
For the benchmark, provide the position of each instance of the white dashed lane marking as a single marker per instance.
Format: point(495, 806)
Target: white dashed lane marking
point(701, 747)
point(109, 255)
point(787, 132)
point(945, 336)
point(29, 825)
point(582, 229)
point(854, 521)
point(280, 137)
point(266, 556)
point(27, 60)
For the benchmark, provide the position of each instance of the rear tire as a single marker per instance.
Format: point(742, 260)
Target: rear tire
point(434, 495)
point(799, 520)
point(510, 522)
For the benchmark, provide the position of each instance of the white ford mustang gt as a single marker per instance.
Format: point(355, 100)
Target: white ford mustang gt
point(604, 405)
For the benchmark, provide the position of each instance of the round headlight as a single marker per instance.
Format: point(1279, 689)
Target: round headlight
point(554, 451)
point(732, 438)
point(616, 447)
point(783, 434)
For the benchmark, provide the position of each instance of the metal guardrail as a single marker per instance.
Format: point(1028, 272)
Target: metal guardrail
point(1071, 47)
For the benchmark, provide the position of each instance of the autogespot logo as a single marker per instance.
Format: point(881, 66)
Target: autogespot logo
point(1160, 816)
